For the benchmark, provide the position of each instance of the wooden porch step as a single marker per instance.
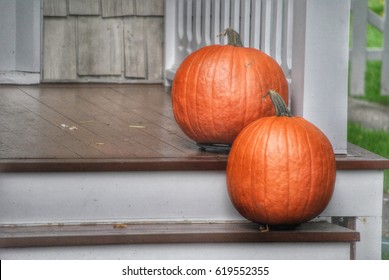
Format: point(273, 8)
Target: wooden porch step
point(170, 232)
point(106, 128)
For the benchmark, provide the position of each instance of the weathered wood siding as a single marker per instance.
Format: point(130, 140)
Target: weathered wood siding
point(60, 58)
point(55, 8)
point(84, 7)
point(103, 41)
point(117, 8)
point(99, 46)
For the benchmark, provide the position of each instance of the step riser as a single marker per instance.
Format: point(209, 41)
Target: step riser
point(246, 251)
point(142, 196)
point(91, 197)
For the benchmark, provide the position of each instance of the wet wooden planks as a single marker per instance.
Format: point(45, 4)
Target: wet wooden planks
point(87, 122)
point(108, 127)
point(30, 236)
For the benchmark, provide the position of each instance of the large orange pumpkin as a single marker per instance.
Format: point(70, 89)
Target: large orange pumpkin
point(217, 90)
point(281, 169)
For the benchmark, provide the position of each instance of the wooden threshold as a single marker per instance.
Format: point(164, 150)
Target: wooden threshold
point(108, 127)
point(152, 233)
point(357, 158)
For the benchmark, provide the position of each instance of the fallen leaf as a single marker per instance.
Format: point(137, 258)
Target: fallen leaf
point(137, 126)
point(264, 228)
point(120, 226)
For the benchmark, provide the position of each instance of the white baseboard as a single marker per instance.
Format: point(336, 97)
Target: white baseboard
point(19, 77)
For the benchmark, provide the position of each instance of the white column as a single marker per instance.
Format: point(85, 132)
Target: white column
point(20, 47)
point(320, 66)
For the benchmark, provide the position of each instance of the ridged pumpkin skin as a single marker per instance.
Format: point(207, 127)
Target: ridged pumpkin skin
point(218, 90)
point(281, 171)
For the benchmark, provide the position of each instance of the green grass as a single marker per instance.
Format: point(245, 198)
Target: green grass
point(374, 37)
point(376, 141)
point(373, 83)
point(377, 6)
point(372, 140)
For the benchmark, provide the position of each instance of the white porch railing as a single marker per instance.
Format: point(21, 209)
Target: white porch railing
point(265, 25)
point(359, 54)
point(308, 38)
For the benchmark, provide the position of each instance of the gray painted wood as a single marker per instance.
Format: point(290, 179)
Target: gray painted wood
point(114, 8)
point(20, 43)
point(358, 54)
point(55, 8)
point(107, 40)
point(134, 47)
point(8, 47)
point(59, 49)
point(100, 46)
point(150, 7)
point(84, 7)
point(154, 40)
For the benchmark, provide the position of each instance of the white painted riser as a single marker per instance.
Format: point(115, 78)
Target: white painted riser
point(42, 198)
point(238, 251)
point(132, 196)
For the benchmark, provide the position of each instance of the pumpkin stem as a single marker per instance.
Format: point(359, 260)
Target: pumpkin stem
point(279, 104)
point(232, 36)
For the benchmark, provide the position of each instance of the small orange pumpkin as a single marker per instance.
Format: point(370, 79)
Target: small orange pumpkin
point(217, 90)
point(281, 169)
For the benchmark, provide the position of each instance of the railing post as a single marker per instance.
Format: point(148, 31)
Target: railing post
point(170, 51)
point(320, 66)
point(385, 54)
point(358, 51)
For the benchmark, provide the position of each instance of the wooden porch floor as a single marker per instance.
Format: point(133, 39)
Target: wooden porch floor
point(105, 127)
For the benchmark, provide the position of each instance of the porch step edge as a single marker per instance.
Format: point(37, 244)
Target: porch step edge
point(171, 232)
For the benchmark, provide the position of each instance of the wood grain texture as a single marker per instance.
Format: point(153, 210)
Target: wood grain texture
point(103, 41)
point(108, 234)
point(150, 7)
point(154, 37)
point(108, 127)
point(358, 158)
point(117, 8)
point(56, 8)
point(89, 122)
point(59, 49)
point(100, 46)
point(84, 7)
point(134, 48)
